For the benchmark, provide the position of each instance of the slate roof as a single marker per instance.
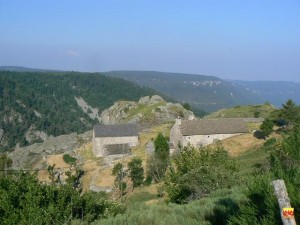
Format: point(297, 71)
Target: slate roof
point(116, 130)
point(212, 126)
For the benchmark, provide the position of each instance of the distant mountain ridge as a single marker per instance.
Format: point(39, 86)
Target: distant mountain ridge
point(208, 93)
point(211, 93)
point(25, 69)
point(275, 92)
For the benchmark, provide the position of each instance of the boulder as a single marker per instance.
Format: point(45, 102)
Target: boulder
point(144, 100)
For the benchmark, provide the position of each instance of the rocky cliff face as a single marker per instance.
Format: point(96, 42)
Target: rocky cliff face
point(148, 110)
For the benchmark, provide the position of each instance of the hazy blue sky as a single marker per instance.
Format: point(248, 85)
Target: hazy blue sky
point(231, 39)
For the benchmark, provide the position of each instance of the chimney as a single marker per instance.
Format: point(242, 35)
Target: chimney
point(178, 121)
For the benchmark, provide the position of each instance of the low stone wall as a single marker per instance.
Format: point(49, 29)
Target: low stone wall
point(253, 120)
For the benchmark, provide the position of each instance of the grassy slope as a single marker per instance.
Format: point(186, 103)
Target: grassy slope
point(145, 110)
point(243, 111)
point(197, 212)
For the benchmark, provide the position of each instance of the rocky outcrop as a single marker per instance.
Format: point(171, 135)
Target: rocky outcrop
point(1, 134)
point(27, 157)
point(151, 100)
point(148, 110)
point(35, 135)
point(89, 110)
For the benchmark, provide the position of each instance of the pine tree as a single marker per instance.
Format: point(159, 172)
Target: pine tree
point(158, 162)
point(136, 171)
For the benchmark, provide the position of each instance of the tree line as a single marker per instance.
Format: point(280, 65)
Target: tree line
point(45, 101)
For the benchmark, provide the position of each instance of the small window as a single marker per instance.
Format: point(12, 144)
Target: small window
point(208, 136)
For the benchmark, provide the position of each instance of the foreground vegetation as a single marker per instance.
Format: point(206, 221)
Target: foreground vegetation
point(24, 200)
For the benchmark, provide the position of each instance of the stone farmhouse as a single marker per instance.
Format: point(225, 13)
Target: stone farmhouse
point(114, 139)
point(205, 131)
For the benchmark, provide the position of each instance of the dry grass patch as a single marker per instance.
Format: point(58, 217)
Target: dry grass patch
point(57, 160)
point(238, 145)
point(149, 135)
point(253, 126)
point(43, 176)
point(91, 169)
point(86, 151)
point(104, 178)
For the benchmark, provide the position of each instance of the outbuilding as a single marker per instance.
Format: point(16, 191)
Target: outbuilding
point(114, 139)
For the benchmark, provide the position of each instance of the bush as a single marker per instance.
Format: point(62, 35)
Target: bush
point(197, 172)
point(270, 143)
point(148, 180)
point(69, 159)
point(24, 200)
point(267, 127)
point(261, 205)
point(259, 134)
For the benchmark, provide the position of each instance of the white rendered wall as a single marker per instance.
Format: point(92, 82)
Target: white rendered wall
point(202, 140)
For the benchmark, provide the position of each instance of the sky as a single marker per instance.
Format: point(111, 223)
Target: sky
point(231, 39)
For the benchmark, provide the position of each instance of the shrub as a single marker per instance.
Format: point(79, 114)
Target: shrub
point(24, 200)
point(148, 180)
point(69, 159)
point(267, 127)
point(260, 206)
point(197, 172)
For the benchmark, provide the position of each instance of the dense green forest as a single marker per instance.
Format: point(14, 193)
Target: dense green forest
point(46, 102)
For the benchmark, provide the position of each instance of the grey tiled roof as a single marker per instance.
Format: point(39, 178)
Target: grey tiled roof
point(116, 130)
point(212, 126)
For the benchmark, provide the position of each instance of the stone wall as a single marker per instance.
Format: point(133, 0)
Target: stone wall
point(175, 134)
point(100, 143)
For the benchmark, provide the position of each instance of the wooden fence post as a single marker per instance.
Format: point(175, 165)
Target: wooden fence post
point(283, 201)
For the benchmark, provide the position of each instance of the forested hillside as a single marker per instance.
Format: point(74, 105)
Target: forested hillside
point(35, 105)
point(211, 93)
point(207, 93)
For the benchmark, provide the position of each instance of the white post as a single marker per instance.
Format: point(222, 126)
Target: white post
point(283, 201)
